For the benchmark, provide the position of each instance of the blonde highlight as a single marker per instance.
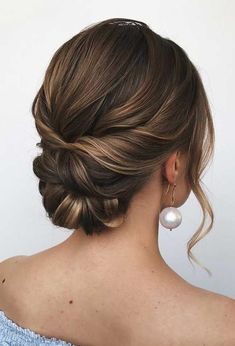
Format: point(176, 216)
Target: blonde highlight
point(116, 101)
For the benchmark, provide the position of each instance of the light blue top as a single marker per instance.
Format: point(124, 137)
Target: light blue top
point(12, 334)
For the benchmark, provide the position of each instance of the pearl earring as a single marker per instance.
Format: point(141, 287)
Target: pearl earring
point(170, 217)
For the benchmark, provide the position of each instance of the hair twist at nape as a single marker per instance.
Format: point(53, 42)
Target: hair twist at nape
point(78, 179)
point(115, 102)
point(70, 196)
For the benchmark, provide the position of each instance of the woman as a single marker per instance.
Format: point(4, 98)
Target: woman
point(126, 132)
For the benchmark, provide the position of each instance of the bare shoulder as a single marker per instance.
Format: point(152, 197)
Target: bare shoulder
point(217, 318)
point(10, 260)
point(186, 316)
point(8, 274)
point(210, 320)
point(10, 264)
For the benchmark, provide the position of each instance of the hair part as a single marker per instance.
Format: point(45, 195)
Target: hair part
point(116, 100)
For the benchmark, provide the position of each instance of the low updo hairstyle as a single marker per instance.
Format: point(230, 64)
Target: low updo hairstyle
point(116, 100)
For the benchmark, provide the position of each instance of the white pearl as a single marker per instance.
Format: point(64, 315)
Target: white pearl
point(170, 217)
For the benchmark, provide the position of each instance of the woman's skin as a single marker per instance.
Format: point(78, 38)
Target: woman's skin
point(115, 288)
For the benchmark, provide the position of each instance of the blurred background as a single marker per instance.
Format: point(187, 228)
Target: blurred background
point(30, 32)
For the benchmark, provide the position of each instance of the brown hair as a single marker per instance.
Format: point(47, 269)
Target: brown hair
point(117, 99)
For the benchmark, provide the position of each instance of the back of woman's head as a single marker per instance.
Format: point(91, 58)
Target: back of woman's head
point(117, 99)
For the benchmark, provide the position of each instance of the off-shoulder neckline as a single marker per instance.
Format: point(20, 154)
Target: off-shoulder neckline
point(28, 332)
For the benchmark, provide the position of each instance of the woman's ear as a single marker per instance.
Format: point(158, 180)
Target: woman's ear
point(174, 173)
point(171, 167)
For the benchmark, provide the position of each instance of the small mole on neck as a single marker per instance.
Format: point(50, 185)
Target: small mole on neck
point(3, 280)
point(70, 302)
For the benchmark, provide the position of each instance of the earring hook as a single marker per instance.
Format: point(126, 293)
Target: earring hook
point(173, 195)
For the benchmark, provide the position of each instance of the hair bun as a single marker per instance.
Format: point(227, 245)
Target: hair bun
point(70, 197)
point(115, 102)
